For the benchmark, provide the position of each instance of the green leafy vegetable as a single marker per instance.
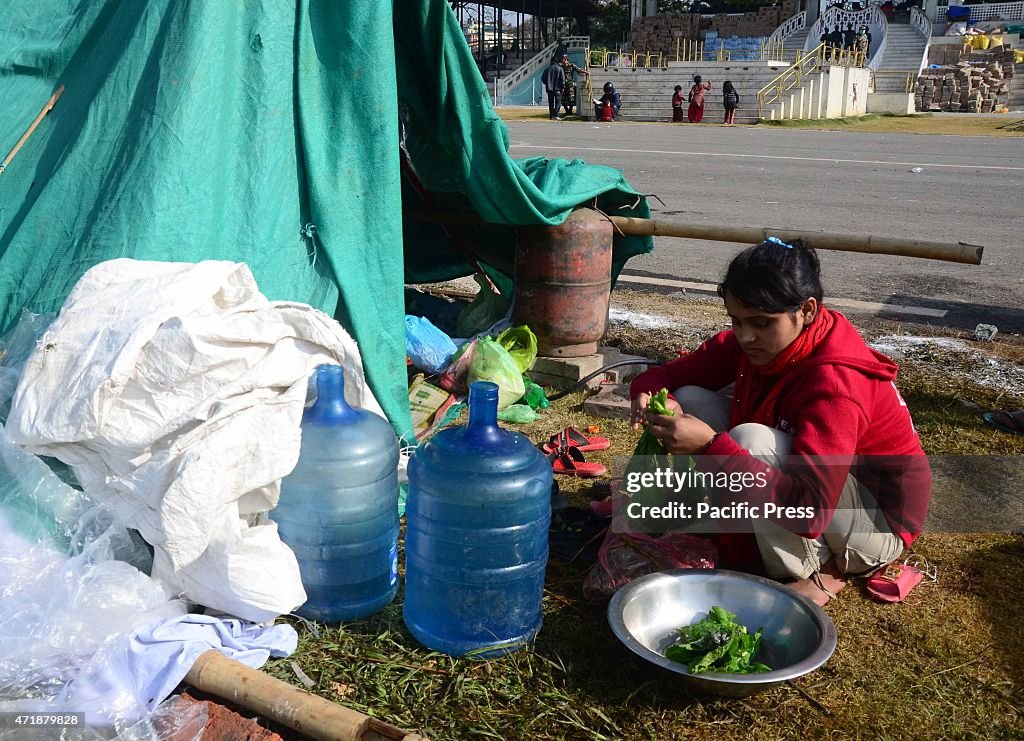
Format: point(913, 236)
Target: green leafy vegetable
point(648, 444)
point(650, 455)
point(717, 644)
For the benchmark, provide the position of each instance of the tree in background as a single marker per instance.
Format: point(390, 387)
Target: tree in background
point(610, 26)
point(683, 6)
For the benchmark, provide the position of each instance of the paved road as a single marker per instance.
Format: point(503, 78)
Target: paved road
point(969, 189)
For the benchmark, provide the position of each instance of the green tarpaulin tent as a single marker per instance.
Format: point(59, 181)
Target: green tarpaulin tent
point(268, 132)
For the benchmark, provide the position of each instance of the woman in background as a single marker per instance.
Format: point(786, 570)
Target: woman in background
point(695, 114)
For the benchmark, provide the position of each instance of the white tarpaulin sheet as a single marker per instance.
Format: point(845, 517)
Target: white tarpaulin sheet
point(175, 391)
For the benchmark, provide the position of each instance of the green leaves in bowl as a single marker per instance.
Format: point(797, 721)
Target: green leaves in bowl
point(717, 644)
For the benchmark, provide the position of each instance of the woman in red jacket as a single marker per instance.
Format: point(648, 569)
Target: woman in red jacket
point(794, 399)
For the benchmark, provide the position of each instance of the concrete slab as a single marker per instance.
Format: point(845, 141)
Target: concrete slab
point(611, 402)
point(561, 373)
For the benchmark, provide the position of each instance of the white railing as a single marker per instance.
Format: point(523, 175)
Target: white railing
point(1004, 11)
point(534, 64)
point(871, 17)
point(920, 23)
point(790, 25)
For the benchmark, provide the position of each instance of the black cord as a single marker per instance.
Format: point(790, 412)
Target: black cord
point(599, 371)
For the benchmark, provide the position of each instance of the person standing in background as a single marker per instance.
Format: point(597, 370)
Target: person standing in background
point(553, 79)
point(677, 104)
point(850, 38)
point(570, 71)
point(730, 101)
point(695, 113)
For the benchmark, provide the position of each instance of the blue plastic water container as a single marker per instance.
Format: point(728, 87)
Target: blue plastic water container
point(476, 541)
point(339, 508)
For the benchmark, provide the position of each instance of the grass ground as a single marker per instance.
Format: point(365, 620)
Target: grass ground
point(946, 663)
point(873, 123)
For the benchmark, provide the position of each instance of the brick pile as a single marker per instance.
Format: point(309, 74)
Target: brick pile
point(659, 33)
point(978, 82)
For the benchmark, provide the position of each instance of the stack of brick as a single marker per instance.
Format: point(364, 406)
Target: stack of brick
point(744, 25)
point(660, 33)
point(978, 84)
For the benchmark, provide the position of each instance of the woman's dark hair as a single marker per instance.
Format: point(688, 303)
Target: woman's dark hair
point(677, 88)
point(727, 87)
point(696, 79)
point(774, 276)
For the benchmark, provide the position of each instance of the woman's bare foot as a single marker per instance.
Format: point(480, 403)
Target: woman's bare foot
point(821, 587)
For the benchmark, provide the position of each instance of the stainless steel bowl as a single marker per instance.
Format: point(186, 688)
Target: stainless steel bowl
point(798, 636)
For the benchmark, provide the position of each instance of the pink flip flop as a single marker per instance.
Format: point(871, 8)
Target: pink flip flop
point(892, 583)
point(570, 437)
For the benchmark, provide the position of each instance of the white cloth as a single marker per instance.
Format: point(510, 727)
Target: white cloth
point(175, 392)
point(133, 672)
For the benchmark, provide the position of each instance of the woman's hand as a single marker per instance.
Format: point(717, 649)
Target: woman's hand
point(638, 410)
point(682, 433)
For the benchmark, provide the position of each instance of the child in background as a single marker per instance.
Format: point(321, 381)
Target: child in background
point(677, 104)
point(730, 101)
point(607, 108)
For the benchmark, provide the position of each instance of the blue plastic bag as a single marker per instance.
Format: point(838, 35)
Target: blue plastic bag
point(428, 347)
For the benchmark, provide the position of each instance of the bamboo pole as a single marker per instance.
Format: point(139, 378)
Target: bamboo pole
point(32, 127)
point(313, 716)
point(962, 252)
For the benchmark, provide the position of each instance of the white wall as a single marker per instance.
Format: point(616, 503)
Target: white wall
point(890, 103)
point(642, 8)
point(834, 92)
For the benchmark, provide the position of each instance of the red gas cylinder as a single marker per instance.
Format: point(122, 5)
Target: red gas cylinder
point(563, 281)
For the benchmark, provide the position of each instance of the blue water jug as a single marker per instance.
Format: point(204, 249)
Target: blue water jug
point(476, 541)
point(339, 508)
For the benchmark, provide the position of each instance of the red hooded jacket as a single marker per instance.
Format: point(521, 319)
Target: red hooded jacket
point(846, 415)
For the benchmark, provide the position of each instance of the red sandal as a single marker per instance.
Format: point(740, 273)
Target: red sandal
point(570, 462)
point(570, 437)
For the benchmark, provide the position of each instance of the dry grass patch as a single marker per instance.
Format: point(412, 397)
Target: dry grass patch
point(919, 123)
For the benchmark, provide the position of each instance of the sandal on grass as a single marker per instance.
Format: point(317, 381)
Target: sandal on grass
point(571, 462)
point(570, 437)
point(1006, 420)
point(893, 582)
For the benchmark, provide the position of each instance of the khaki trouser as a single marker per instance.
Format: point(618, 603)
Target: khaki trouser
point(858, 537)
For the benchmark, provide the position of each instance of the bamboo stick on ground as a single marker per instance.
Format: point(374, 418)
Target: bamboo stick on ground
point(313, 716)
point(32, 127)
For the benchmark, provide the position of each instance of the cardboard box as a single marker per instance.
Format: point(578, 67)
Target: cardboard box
point(426, 404)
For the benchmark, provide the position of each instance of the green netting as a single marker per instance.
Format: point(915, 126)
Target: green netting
point(264, 132)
